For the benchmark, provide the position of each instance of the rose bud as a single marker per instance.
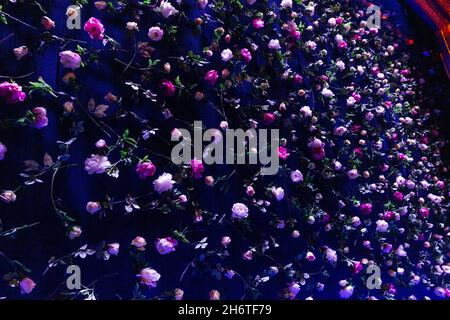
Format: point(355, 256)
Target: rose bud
point(93, 207)
point(69, 77)
point(100, 5)
point(250, 191)
point(178, 293)
point(20, 52)
point(167, 67)
point(132, 26)
point(214, 295)
point(139, 243)
point(47, 23)
point(199, 96)
point(209, 181)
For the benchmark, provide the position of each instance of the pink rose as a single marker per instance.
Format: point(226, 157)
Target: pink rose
point(145, 169)
point(352, 174)
point(139, 243)
point(283, 153)
point(40, 117)
point(365, 208)
point(167, 9)
point(96, 164)
point(100, 144)
point(268, 118)
point(155, 33)
point(93, 207)
point(258, 23)
point(166, 245)
point(11, 92)
point(296, 176)
point(310, 256)
point(70, 60)
point(168, 87)
point(424, 212)
point(20, 52)
point(214, 295)
point(274, 44)
point(94, 28)
point(398, 196)
point(211, 77)
point(239, 211)
point(246, 55)
point(149, 277)
point(317, 149)
point(226, 55)
point(197, 168)
point(163, 183)
point(26, 285)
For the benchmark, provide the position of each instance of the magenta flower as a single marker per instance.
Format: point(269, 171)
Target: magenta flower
point(342, 45)
point(211, 77)
point(424, 212)
point(365, 208)
point(197, 168)
point(268, 118)
point(11, 92)
point(95, 28)
point(398, 196)
point(168, 87)
point(283, 153)
point(246, 55)
point(145, 169)
point(258, 23)
point(317, 149)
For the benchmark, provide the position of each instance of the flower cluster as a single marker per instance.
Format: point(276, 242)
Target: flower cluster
point(361, 184)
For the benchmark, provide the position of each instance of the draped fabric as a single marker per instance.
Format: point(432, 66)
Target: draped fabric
point(116, 71)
